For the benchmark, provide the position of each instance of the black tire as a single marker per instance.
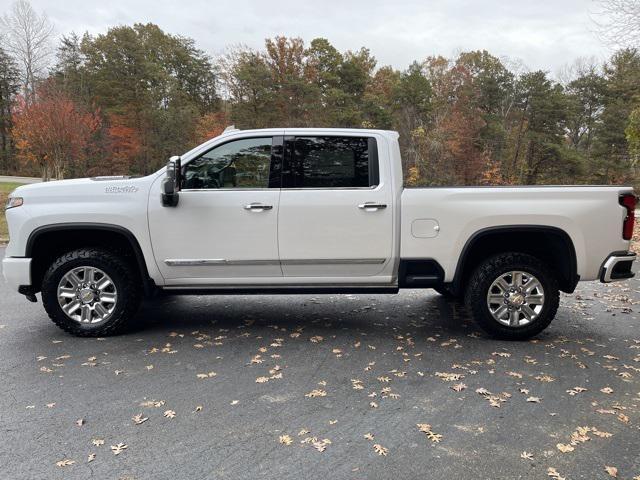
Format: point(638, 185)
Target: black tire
point(125, 278)
point(488, 271)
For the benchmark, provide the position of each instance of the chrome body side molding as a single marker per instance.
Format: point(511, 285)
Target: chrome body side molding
point(191, 262)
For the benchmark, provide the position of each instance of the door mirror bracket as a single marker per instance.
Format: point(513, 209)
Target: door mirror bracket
point(171, 183)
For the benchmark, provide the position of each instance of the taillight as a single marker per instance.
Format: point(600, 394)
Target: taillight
point(628, 201)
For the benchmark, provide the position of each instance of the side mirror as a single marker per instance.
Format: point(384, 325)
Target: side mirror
point(171, 183)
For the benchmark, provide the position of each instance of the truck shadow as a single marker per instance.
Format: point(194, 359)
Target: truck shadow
point(428, 313)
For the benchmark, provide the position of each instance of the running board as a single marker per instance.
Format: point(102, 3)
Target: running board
point(265, 290)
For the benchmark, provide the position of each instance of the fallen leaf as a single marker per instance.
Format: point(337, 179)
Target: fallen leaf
point(139, 419)
point(119, 448)
point(321, 445)
point(553, 473)
point(426, 429)
point(91, 457)
point(565, 448)
point(285, 439)
point(65, 463)
point(449, 377)
point(526, 456)
point(316, 393)
point(368, 436)
point(97, 442)
point(169, 414)
point(612, 471)
point(379, 449)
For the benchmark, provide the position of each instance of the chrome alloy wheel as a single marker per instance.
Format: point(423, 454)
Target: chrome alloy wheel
point(515, 298)
point(87, 295)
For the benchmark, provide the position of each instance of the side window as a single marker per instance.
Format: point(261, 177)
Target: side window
point(331, 162)
point(238, 164)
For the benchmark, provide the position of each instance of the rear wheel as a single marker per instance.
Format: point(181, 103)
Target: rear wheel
point(513, 296)
point(91, 292)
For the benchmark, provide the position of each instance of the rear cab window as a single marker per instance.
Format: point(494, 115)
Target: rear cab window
point(330, 162)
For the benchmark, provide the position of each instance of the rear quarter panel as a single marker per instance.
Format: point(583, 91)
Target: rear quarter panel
point(591, 216)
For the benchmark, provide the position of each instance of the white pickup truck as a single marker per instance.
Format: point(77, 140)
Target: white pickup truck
point(309, 210)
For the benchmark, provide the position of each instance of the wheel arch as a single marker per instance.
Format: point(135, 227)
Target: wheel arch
point(551, 244)
point(49, 241)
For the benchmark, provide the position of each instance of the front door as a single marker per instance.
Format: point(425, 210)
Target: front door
point(225, 225)
point(336, 215)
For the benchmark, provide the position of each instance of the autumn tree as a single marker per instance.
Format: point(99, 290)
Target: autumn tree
point(155, 84)
point(53, 131)
point(210, 125)
point(123, 144)
point(467, 120)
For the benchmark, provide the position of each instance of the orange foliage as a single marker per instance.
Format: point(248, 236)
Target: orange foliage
point(210, 125)
point(462, 131)
point(52, 131)
point(124, 144)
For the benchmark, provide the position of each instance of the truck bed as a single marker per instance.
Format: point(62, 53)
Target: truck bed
point(438, 222)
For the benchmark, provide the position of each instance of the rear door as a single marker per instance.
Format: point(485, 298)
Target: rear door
point(336, 214)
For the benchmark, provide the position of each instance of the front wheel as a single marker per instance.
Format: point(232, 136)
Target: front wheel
point(91, 292)
point(513, 296)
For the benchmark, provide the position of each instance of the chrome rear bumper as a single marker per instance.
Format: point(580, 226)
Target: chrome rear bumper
point(619, 266)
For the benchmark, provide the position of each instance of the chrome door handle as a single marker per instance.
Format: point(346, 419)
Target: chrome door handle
point(372, 206)
point(257, 207)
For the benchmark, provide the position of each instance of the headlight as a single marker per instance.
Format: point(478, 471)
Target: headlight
point(13, 202)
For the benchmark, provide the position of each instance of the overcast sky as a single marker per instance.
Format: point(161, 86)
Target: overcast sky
point(545, 34)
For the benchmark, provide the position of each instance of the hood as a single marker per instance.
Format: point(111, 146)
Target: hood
point(95, 185)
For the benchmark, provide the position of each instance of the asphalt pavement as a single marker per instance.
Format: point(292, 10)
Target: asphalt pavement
point(326, 386)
